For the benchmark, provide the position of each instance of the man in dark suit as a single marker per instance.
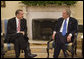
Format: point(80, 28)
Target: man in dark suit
point(64, 32)
point(17, 34)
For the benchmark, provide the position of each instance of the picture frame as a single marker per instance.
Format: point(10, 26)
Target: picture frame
point(3, 4)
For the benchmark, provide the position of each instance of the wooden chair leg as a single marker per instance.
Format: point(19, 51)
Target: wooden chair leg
point(72, 52)
point(75, 50)
point(2, 56)
point(47, 53)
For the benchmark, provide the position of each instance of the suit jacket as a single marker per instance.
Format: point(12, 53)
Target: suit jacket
point(72, 26)
point(12, 29)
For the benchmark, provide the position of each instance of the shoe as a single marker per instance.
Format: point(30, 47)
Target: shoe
point(33, 55)
point(28, 56)
point(66, 54)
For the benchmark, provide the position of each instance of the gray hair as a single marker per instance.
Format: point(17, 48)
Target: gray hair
point(68, 11)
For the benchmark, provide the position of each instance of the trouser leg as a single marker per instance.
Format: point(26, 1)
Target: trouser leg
point(27, 50)
point(26, 53)
point(63, 42)
point(17, 52)
point(64, 51)
point(57, 46)
point(56, 52)
point(60, 44)
point(17, 49)
point(28, 47)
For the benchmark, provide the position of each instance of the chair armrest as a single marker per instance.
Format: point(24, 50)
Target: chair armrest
point(82, 37)
point(8, 45)
point(48, 46)
point(49, 41)
point(2, 34)
point(75, 38)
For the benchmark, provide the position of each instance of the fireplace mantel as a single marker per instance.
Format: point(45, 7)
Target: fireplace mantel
point(38, 13)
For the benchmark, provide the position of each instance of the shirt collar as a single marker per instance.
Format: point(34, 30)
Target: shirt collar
point(17, 18)
point(67, 18)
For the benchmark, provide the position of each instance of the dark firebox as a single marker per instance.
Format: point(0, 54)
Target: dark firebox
point(42, 29)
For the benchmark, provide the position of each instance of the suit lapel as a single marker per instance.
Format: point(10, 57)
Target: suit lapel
point(69, 24)
point(15, 23)
point(61, 22)
point(21, 24)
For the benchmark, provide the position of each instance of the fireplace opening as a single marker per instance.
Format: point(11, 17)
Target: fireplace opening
point(42, 29)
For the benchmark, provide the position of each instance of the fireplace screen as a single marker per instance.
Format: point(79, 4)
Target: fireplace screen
point(42, 29)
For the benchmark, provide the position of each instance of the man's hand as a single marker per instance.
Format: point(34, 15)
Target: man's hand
point(22, 32)
point(68, 38)
point(53, 36)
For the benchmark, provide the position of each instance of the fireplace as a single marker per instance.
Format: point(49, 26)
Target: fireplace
point(40, 21)
point(42, 29)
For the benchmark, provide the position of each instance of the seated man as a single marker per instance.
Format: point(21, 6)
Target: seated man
point(17, 34)
point(64, 32)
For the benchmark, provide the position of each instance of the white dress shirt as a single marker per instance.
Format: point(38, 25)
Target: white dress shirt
point(67, 20)
point(17, 21)
point(61, 28)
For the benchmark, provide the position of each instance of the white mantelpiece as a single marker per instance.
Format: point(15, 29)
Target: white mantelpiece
point(41, 13)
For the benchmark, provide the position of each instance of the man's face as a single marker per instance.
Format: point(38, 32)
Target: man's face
point(20, 15)
point(64, 14)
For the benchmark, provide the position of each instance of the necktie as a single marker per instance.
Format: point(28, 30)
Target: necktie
point(18, 28)
point(64, 29)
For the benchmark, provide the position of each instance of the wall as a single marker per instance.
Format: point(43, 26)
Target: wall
point(9, 11)
point(39, 12)
point(77, 12)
